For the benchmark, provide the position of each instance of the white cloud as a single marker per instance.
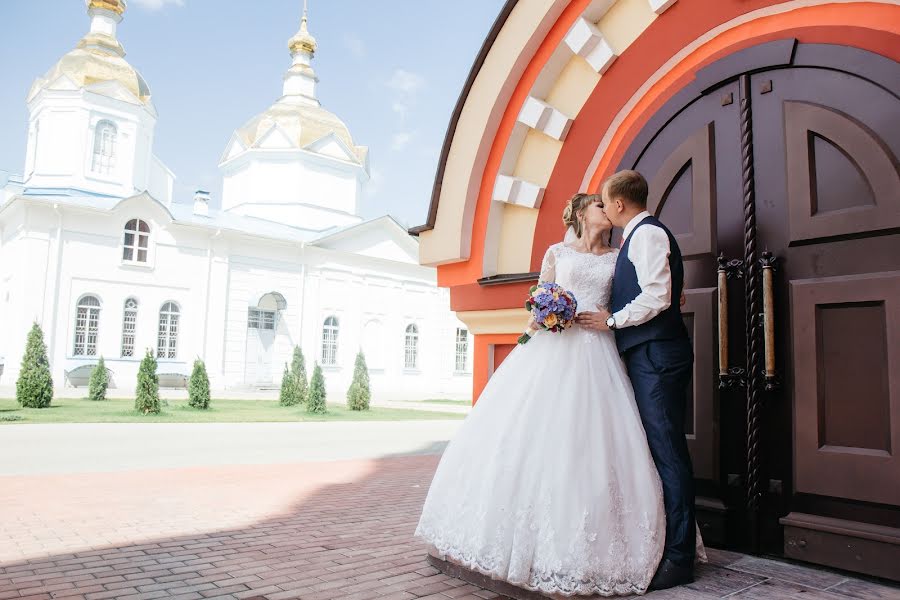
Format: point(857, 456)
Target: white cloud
point(401, 140)
point(405, 82)
point(355, 45)
point(157, 4)
point(405, 86)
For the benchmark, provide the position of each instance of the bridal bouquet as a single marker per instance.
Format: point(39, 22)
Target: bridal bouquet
point(552, 307)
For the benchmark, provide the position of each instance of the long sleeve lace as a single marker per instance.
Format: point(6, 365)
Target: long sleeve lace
point(548, 265)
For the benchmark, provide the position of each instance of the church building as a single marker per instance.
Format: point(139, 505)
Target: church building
point(95, 250)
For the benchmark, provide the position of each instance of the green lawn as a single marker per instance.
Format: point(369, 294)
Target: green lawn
point(67, 410)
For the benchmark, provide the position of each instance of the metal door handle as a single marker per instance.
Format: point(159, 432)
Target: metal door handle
point(728, 269)
point(767, 262)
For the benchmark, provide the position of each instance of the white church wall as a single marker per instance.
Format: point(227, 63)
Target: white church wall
point(60, 150)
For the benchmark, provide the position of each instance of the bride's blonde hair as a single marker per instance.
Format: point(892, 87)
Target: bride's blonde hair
point(572, 212)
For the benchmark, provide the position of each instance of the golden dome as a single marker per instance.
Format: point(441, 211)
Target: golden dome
point(87, 66)
point(303, 40)
point(116, 6)
point(302, 123)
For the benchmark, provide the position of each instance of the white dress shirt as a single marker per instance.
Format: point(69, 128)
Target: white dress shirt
point(649, 253)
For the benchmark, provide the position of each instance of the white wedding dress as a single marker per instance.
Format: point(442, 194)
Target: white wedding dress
point(549, 483)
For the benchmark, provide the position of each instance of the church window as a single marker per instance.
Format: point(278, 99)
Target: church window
point(462, 349)
point(258, 318)
point(104, 159)
point(87, 326)
point(129, 325)
point(137, 241)
point(411, 354)
point(330, 341)
point(167, 344)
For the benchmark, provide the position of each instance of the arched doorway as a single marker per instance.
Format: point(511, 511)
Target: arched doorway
point(782, 159)
point(262, 330)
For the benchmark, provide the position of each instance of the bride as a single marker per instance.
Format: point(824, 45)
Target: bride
point(549, 483)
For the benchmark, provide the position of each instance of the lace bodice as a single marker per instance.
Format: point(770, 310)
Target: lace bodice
point(586, 275)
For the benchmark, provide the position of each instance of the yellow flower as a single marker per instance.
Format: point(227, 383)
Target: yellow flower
point(556, 295)
point(550, 321)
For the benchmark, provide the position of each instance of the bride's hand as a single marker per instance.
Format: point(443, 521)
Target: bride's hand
point(593, 320)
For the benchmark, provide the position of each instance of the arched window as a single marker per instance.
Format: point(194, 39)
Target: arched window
point(104, 160)
point(167, 345)
point(87, 326)
point(462, 349)
point(411, 355)
point(330, 341)
point(129, 325)
point(137, 241)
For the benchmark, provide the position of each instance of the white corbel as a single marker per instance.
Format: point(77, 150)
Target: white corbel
point(588, 42)
point(514, 190)
point(660, 6)
point(539, 115)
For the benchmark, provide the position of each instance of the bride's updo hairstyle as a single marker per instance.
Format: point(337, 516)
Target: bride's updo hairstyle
point(571, 214)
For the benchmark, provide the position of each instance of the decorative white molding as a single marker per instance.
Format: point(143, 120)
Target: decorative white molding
point(588, 42)
point(513, 190)
point(660, 6)
point(539, 115)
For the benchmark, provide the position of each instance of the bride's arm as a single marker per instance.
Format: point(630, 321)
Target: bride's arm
point(548, 275)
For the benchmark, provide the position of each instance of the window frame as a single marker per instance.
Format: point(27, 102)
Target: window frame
point(139, 230)
point(104, 164)
point(330, 324)
point(464, 344)
point(411, 347)
point(90, 310)
point(126, 310)
point(168, 339)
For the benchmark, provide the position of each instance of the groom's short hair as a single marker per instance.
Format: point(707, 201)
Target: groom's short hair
point(628, 185)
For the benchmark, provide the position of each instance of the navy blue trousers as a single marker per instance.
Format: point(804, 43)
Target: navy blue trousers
point(660, 371)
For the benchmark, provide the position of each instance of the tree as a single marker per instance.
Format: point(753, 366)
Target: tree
point(34, 388)
point(316, 401)
point(198, 386)
point(99, 381)
point(359, 394)
point(298, 370)
point(147, 398)
point(288, 395)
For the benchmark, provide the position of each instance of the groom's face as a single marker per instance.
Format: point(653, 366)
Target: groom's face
point(613, 208)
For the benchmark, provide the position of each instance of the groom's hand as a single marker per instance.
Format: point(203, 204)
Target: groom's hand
point(593, 320)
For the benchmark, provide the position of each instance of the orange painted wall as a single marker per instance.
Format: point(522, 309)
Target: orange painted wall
point(503, 344)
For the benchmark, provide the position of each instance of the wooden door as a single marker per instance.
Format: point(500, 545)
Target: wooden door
point(826, 148)
point(782, 149)
point(694, 176)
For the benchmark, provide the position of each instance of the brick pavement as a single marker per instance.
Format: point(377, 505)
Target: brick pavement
point(313, 531)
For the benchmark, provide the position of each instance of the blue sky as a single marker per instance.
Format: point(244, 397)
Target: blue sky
point(391, 69)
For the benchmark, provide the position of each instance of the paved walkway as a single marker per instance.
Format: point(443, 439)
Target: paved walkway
point(313, 531)
point(95, 447)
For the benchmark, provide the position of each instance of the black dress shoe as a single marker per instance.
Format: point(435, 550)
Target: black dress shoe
point(669, 575)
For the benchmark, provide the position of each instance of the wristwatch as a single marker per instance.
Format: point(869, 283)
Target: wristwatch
point(611, 322)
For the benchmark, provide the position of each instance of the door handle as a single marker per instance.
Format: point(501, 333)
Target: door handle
point(767, 262)
point(729, 376)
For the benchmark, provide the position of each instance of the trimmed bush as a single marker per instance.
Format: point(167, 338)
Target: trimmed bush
point(99, 382)
point(288, 394)
point(34, 388)
point(198, 386)
point(146, 400)
point(316, 402)
point(359, 394)
point(298, 370)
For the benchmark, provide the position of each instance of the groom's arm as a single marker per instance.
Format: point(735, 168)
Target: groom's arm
point(649, 253)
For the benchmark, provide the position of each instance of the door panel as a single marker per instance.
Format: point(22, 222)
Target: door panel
point(694, 174)
point(828, 207)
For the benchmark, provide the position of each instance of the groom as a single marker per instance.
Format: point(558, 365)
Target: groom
point(654, 344)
